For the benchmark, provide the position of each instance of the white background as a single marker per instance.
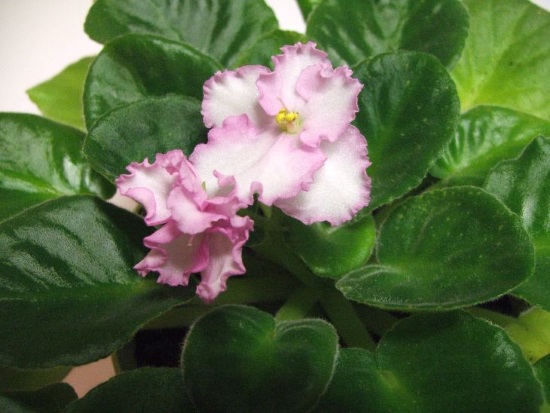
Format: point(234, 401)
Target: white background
point(38, 38)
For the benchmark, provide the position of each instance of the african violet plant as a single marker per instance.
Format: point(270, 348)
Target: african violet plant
point(307, 275)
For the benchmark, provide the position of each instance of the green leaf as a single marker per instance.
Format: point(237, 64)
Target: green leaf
point(448, 362)
point(69, 294)
point(542, 369)
point(20, 380)
point(238, 358)
point(51, 399)
point(523, 184)
point(531, 330)
point(41, 160)
point(332, 251)
point(352, 30)
point(506, 58)
point(142, 129)
point(142, 390)
point(408, 111)
point(60, 98)
point(307, 6)
point(133, 67)
point(444, 249)
point(218, 28)
point(486, 135)
point(268, 45)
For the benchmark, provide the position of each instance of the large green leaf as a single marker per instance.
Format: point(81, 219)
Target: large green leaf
point(506, 59)
point(142, 129)
point(143, 390)
point(60, 98)
point(261, 52)
point(408, 111)
point(51, 399)
point(238, 359)
point(219, 28)
point(40, 160)
point(135, 66)
point(68, 293)
point(486, 135)
point(332, 251)
point(444, 249)
point(352, 30)
point(448, 362)
point(523, 185)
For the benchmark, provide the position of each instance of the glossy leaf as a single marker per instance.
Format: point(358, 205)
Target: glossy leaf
point(41, 160)
point(353, 30)
point(486, 135)
point(237, 358)
point(523, 185)
point(447, 362)
point(142, 390)
point(133, 67)
point(444, 249)
point(142, 129)
point(506, 58)
point(408, 112)
point(69, 294)
point(60, 98)
point(51, 399)
point(218, 28)
point(268, 45)
point(21, 380)
point(333, 251)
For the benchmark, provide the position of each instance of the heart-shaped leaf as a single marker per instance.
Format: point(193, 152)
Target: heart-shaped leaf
point(238, 359)
point(68, 293)
point(523, 184)
point(60, 98)
point(268, 45)
point(332, 251)
point(408, 111)
point(506, 57)
point(142, 390)
point(444, 249)
point(449, 362)
point(486, 135)
point(41, 160)
point(51, 399)
point(142, 129)
point(134, 66)
point(352, 30)
point(218, 28)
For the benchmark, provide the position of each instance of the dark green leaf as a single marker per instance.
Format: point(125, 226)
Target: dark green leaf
point(69, 294)
point(268, 45)
point(51, 399)
point(19, 380)
point(408, 111)
point(238, 359)
point(448, 362)
point(219, 28)
point(506, 58)
point(40, 160)
point(523, 185)
point(60, 98)
point(542, 369)
point(141, 130)
point(486, 135)
point(145, 390)
point(444, 249)
point(352, 30)
point(133, 67)
point(333, 251)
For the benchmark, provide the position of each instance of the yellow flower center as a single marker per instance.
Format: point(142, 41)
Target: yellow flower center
point(288, 121)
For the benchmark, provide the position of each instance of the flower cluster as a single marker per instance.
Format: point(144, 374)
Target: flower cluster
point(283, 135)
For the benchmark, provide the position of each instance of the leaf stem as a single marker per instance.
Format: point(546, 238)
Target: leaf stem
point(298, 304)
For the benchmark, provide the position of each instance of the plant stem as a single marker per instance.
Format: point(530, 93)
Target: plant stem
point(298, 304)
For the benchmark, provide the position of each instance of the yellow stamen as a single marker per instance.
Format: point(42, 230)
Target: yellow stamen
point(287, 121)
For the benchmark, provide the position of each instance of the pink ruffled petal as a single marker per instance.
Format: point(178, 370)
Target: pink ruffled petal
point(331, 102)
point(150, 185)
point(278, 88)
point(173, 255)
point(340, 188)
point(271, 163)
point(233, 93)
